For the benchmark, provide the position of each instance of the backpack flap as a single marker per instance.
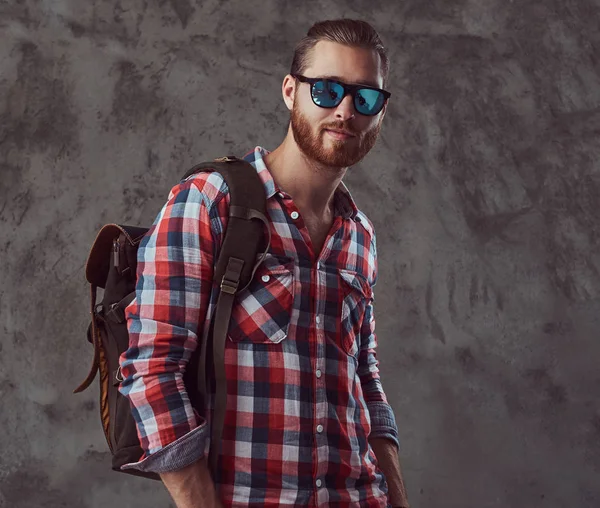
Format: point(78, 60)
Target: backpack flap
point(117, 245)
point(101, 254)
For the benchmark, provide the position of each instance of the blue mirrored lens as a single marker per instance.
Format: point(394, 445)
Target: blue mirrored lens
point(327, 94)
point(368, 102)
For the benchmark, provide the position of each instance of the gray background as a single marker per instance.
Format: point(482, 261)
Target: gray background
point(484, 188)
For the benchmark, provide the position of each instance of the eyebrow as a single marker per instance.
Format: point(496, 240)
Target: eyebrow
point(364, 83)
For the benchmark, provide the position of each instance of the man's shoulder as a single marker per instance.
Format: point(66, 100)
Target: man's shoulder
point(206, 185)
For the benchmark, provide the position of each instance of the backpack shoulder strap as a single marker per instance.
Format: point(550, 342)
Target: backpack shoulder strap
point(233, 272)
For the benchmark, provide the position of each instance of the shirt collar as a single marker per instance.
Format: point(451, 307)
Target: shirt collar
point(344, 204)
point(255, 157)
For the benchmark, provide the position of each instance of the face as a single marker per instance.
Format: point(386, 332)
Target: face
point(310, 124)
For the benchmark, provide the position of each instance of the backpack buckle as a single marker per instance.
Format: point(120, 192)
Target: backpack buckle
point(118, 377)
point(115, 313)
point(231, 279)
point(229, 286)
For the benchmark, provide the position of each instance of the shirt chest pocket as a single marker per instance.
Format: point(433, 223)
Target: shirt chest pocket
point(261, 312)
point(357, 294)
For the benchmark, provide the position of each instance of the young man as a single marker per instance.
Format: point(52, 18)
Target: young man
point(307, 421)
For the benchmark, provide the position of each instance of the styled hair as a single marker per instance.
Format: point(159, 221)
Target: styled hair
point(350, 32)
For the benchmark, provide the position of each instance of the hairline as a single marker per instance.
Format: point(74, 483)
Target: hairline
point(309, 56)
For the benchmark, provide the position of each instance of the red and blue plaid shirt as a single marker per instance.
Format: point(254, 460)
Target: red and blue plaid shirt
point(304, 393)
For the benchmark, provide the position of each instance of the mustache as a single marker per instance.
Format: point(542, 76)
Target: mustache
point(342, 126)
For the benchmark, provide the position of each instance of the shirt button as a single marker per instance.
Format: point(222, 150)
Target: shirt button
point(318, 373)
point(266, 278)
point(295, 215)
point(319, 482)
point(319, 428)
point(318, 319)
point(281, 195)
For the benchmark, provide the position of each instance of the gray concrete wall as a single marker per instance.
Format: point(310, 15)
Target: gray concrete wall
point(484, 187)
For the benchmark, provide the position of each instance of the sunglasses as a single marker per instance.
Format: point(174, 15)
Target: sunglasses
point(329, 93)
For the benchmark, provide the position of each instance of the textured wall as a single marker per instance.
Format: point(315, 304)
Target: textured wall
point(484, 187)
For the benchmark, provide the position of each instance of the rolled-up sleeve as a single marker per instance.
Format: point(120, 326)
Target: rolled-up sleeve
point(165, 324)
point(383, 421)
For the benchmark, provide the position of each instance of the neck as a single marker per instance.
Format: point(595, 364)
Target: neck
point(311, 185)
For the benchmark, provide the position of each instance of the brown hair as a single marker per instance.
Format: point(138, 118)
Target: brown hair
point(350, 32)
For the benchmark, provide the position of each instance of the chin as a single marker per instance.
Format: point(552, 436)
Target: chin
point(337, 157)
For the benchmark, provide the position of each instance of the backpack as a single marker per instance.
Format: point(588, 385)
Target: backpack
point(111, 265)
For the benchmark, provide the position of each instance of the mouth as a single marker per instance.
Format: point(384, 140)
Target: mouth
point(339, 134)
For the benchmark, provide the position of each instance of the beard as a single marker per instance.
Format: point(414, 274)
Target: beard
point(340, 153)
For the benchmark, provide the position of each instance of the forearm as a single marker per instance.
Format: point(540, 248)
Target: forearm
point(192, 486)
point(389, 463)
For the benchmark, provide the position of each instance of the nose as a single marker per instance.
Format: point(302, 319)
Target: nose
point(345, 110)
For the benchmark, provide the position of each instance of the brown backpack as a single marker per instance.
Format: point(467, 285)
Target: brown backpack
point(111, 265)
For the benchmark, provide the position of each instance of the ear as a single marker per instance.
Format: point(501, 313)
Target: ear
point(288, 90)
point(382, 112)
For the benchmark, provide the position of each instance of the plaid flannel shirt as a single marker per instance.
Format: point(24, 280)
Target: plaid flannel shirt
point(304, 393)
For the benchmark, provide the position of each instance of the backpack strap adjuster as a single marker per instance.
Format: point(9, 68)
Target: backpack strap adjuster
point(115, 313)
point(229, 286)
point(233, 273)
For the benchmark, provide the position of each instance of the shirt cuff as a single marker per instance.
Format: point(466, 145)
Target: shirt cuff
point(383, 422)
point(176, 455)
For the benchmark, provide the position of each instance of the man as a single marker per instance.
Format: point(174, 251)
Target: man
point(307, 421)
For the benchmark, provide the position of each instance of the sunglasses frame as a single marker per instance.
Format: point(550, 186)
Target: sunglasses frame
point(348, 89)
